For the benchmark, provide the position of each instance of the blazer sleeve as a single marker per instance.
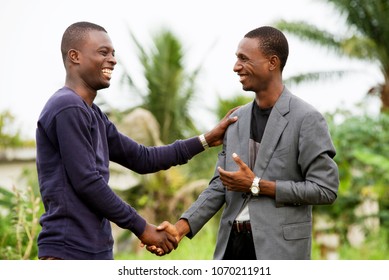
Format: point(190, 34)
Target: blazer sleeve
point(315, 159)
point(208, 203)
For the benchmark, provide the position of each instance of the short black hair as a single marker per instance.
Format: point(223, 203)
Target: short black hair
point(271, 42)
point(75, 34)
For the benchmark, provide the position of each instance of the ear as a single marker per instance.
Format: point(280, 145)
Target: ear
point(74, 56)
point(274, 62)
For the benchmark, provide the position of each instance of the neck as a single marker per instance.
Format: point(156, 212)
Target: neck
point(87, 94)
point(268, 97)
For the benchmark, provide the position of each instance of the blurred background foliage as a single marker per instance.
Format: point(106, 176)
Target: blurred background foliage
point(356, 226)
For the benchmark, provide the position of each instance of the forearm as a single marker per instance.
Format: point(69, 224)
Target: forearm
point(144, 159)
point(101, 199)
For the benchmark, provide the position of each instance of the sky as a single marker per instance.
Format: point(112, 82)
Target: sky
point(32, 69)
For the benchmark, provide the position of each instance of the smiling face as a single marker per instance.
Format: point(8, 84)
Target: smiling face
point(252, 66)
point(96, 60)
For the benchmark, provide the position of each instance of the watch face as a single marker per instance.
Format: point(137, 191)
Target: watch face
point(254, 190)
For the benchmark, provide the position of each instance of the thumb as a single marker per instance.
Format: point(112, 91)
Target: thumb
point(164, 225)
point(232, 120)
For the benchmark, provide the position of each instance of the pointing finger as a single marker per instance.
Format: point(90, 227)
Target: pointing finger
point(237, 160)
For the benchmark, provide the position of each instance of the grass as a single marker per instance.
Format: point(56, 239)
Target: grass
point(376, 247)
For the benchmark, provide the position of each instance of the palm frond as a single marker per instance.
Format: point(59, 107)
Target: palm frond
point(368, 20)
point(170, 88)
point(366, 38)
point(315, 76)
point(310, 33)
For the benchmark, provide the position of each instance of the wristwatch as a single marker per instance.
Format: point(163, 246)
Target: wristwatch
point(255, 189)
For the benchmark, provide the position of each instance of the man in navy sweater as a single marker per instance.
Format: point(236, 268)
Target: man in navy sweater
point(76, 142)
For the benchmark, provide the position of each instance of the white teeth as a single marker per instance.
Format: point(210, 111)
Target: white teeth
point(107, 71)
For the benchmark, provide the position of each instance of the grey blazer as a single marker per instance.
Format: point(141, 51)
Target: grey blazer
point(297, 153)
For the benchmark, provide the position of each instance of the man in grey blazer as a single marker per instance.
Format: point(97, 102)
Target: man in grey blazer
point(276, 163)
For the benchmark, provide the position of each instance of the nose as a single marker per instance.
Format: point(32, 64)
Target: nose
point(237, 66)
point(112, 59)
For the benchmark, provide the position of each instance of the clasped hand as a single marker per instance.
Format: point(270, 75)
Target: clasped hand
point(162, 248)
point(160, 240)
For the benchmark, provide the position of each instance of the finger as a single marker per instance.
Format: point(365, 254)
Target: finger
point(238, 161)
point(152, 248)
point(169, 243)
point(173, 241)
point(169, 247)
point(228, 121)
point(225, 175)
point(165, 247)
point(232, 120)
point(232, 110)
point(160, 252)
point(155, 250)
point(222, 172)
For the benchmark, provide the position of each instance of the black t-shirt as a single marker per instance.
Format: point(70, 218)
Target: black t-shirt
point(259, 119)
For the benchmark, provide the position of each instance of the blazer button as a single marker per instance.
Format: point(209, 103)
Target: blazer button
point(244, 196)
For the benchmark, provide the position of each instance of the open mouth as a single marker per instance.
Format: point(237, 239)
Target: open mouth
point(107, 73)
point(242, 77)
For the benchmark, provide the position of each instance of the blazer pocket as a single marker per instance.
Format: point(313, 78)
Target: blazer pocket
point(297, 231)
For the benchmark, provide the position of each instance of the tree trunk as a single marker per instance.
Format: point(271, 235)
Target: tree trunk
point(385, 96)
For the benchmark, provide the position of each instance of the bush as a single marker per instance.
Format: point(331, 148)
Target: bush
point(19, 223)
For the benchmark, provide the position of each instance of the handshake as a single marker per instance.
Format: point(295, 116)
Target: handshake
point(163, 239)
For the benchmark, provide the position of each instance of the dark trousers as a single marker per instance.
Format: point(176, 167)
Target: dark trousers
point(240, 246)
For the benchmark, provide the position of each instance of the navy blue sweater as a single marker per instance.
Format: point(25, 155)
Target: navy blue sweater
point(75, 143)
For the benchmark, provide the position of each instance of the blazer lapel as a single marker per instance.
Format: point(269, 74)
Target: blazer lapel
point(273, 131)
point(244, 132)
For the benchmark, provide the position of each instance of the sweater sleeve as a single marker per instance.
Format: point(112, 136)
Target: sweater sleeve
point(79, 160)
point(144, 159)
